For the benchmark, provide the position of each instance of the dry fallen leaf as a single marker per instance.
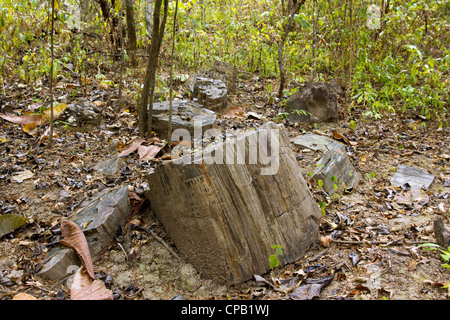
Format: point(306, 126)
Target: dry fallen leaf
point(10, 222)
point(148, 153)
point(83, 288)
point(74, 238)
point(98, 103)
point(30, 120)
point(23, 296)
point(340, 137)
point(131, 147)
point(326, 241)
point(29, 128)
point(233, 112)
point(24, 119)
point(24, 175)
point(57, 110)
point(45, 135)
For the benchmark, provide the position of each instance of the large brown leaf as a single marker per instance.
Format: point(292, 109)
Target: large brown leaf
point(83, 288)
point(24, 119)
point(148, 153)
point(36, 119)
point(74, 238)
point(131, 147)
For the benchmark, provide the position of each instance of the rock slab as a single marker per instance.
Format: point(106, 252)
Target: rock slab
point(224, 217)
point(414, 177)
point(317, 142)
point(210, 93)
point(318, 99)
point(221, 70)
point(184, 115)
point(335, 168)
point(99, 219)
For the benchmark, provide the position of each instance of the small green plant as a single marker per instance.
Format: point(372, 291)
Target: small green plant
point(281, 117)
point(323, 206)
point(302, 112)
point(334, 180)
point(274, 262)
point(445, 255)
point(370, 176)
point(320, 183)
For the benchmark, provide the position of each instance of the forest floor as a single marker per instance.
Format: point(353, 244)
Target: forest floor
point(375, 255)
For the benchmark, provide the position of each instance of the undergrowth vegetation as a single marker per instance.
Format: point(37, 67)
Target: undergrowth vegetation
point(391, 58)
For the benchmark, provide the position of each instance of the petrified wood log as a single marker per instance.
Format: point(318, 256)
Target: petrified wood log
point(318, 99)
point(99, 218)
point(226, 206)
point(185, 113)
point(211, 93)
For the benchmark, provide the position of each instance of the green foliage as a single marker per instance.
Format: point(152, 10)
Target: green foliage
point(398, 67)
point(320, 183)
point(274, 262)
point(445, 255)
point(25, 38)
point(322, 206)
point(370, 176)
point(401, 66)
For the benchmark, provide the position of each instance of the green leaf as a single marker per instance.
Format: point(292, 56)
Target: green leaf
point(320, 183)
point(278, 248)
point(274, 262)
point(10, 222)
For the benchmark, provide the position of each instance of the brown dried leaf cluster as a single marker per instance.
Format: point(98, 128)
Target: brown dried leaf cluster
point(84, 285)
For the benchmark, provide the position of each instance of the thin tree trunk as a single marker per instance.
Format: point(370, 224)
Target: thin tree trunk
point(131, 31)
point(313, 69)
point(122, 57)
point(287, 29)
point(146, 114)
point(108, 16)
point(169, 131)
point(50, 134)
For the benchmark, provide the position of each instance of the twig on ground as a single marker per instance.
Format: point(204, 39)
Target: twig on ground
point(154, 235)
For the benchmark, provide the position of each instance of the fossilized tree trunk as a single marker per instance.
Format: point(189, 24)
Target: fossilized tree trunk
point(225, 217)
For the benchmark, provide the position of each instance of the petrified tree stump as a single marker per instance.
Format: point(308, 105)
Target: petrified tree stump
point(99, 218)
point(211, 93)
point(318, 99)
point(185, 113)
point(336, 172)
point(226, 206)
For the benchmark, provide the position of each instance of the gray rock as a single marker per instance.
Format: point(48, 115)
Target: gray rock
point(319, 99)
point(184, 114)
point(78, 115)
point(224, 71)
point(335, 163)
point(210, 93)
point(415, 178)
point(317, 142)
point(110, 166)
point(99, 218)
